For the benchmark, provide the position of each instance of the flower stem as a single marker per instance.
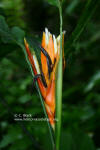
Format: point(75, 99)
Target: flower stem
point(59, 86)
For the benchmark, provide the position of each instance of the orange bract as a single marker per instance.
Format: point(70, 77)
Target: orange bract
point(52, 47)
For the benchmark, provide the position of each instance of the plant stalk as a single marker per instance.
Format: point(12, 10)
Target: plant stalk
point(59, 86)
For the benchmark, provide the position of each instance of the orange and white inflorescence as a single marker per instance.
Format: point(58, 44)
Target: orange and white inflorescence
point(46, 73)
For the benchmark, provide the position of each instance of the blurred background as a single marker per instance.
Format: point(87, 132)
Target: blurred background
point(81, 87)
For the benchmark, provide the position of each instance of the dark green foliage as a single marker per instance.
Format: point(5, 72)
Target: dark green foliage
point(87, 13)
point(10, 38)
point(81, 87)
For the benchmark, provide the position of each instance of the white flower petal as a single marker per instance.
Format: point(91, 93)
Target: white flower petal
point(36, 64)
point(55, 44)
point(47, 35)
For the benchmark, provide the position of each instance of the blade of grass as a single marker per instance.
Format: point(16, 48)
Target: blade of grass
point(88, 11)
point(59, 86)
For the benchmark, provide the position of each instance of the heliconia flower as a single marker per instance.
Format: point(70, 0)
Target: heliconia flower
point(46, 76)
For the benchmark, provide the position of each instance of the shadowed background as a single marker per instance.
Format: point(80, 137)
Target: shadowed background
point(81, 87)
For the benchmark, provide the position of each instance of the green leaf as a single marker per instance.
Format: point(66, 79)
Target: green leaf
point(72, 6)
point(18, 35)
point(95, 78)
point(5, 33)
point(52, 2)
point(90, 8)
point(25, 98)
point(12, 38)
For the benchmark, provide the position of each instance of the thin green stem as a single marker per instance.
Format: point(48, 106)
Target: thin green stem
point(59, 86)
